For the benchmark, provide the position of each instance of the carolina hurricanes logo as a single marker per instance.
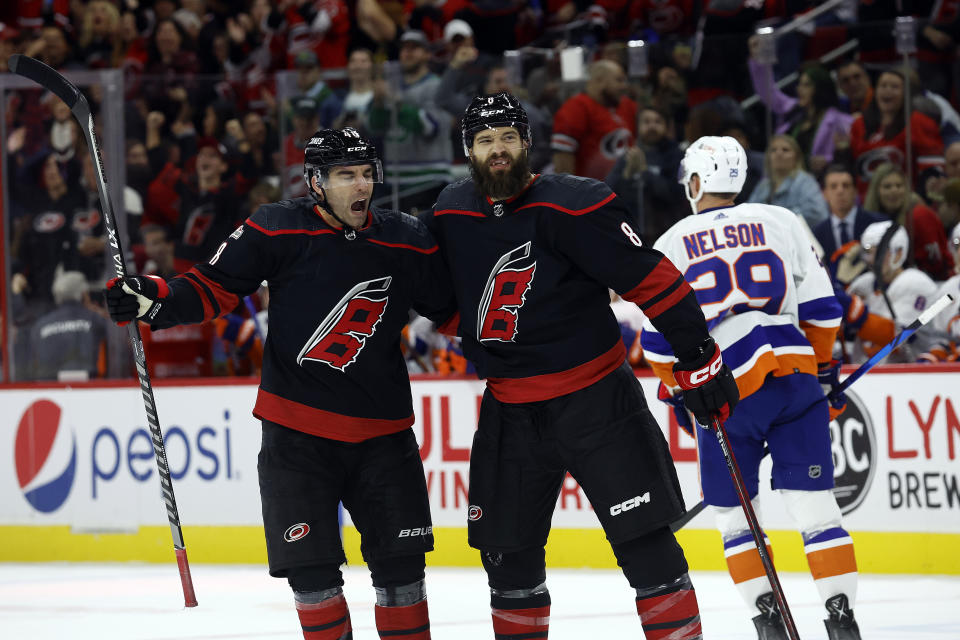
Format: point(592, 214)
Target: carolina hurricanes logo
point(296, 532)
point(342, 334)
point(503, 296)
point(49, 221)
point(85, 220)
point(615, 144)
point(869, 161)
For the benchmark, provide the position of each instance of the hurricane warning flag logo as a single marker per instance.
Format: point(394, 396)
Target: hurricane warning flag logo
point(343, 333)
point(504, 294)
point(45, 456)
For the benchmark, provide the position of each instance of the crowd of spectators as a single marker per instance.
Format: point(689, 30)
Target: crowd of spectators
point(220, 98)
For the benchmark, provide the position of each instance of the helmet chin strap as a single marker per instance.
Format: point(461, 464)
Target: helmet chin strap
point(693, 200)
point(348, 230)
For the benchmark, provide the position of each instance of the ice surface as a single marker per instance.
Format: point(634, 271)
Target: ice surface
point(144, 602)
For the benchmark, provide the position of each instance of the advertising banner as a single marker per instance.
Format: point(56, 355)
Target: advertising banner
point(83, 457)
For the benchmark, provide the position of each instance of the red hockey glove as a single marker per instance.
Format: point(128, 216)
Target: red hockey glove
point(676, 405)
point(709, 389)
point(828, 373)
point(135, 297)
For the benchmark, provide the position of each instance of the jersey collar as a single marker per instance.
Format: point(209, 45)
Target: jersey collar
point(516, 197)
point(709, 209)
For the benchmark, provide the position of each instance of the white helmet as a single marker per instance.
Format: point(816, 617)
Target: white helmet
point(721, 164)
point(955, 238)
point(886, 238)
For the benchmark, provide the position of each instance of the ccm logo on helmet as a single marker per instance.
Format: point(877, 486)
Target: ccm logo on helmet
point(626, 505)
point(701, 376)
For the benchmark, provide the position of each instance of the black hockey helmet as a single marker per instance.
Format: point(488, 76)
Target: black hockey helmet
point(496, 110)
point(337, 147)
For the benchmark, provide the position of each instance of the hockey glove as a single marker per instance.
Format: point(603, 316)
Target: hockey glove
point(855, 311)
point(709, 389)
point(828, 373)
point(676, 405)
point(135, 297)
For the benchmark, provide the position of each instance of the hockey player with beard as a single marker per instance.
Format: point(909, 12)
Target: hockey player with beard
point(891, 292)
point(531, 258)
point(770, 306)
point(334, 397)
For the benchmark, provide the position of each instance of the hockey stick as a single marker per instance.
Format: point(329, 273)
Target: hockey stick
point(754, 525)
point(694, 511)
point(931, 312)
point(52, 81)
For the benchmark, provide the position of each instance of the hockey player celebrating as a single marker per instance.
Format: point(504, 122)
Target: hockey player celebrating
point(770, 307)
point(531, 258)
point(334, 398)
point(892, 292)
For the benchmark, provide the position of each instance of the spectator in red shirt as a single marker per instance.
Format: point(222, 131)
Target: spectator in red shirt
point(202, 207)
point(879, 134)
point(890, 196)
point(594, 128)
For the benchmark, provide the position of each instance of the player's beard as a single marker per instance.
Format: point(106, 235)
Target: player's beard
point(502, 184)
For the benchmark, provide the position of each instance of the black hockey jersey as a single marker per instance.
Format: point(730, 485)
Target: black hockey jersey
point(531, 276)
point(332, 363)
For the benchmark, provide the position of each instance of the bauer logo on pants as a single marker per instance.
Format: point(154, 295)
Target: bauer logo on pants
point(854, 454)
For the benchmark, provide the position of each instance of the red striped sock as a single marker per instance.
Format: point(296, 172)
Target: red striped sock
point(521, 618)
point(411, 622)
point(671, 613)
point(327, 620)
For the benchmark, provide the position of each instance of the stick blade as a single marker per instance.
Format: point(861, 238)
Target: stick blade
point(46, 77)
point(934, 310)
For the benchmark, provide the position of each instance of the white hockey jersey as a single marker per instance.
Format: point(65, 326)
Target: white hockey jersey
point(909, 294)
point(767, 299)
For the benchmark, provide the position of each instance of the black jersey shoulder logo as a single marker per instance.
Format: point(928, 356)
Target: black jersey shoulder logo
point(504, 294)
point(342, 334)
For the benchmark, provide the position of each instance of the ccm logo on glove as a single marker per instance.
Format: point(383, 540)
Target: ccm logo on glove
point(695, 378)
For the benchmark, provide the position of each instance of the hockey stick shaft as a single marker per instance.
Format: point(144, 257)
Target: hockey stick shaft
point(696, 509)
point(51, 80)
point(754, 524)
point(929, 314)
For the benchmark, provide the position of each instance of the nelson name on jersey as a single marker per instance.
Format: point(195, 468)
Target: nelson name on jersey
point(733, 236)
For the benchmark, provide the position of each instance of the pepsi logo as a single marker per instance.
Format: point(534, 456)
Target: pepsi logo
point(45, 456)
point(296, 532)
point(474, 513)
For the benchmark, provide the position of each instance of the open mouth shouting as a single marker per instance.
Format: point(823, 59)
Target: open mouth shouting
point(359, 206)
